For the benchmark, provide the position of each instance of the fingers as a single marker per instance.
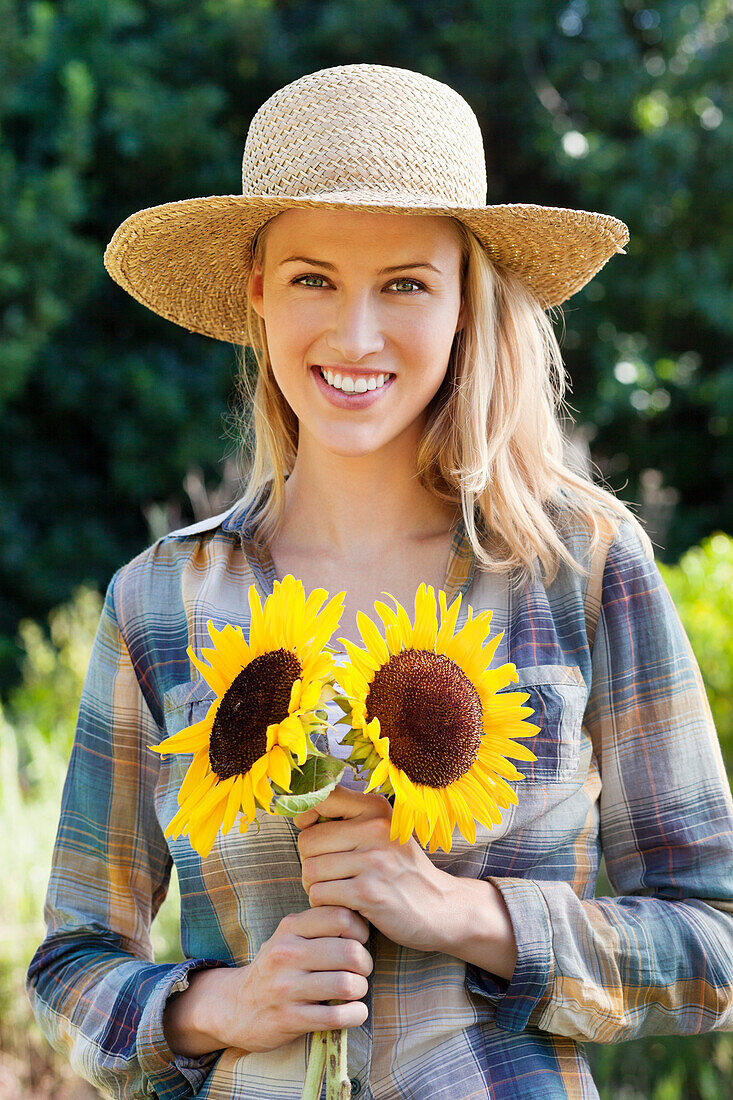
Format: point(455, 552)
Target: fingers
point(338, 954)
point(332, 985)
point(325, 921)
point(343, 802)
point(316, 1017)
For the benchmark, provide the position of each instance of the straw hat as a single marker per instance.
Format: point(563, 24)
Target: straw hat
point(357, 137)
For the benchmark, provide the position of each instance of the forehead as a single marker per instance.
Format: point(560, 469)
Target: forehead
point(357, 233)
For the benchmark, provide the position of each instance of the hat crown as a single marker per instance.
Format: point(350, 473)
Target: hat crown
point(366, 130)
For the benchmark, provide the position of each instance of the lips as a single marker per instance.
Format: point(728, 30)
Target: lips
point(352, 401)
point(355, 372)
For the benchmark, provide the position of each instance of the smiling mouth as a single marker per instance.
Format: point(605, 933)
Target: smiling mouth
point(360, 383)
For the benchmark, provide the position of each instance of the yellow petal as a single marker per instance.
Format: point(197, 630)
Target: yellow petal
point(248, 800)
point(197, 772)
point(315, 602)
point(310, 696)
point(279, 767)
point(391, 628)
point(295, 692)
point(463, 815)
point(234, 801)
point(378, 776)
point(448, 618)
point(422, 826)
point(214, 678)
point(407, 823)
point(403, 621)
point(189, 739)
point(373, 640)
point(195, 795)
point(443, 824)
point(432, 811)
point(203, 834)
point(328, 622)
point(256, 625)
point(426, 619)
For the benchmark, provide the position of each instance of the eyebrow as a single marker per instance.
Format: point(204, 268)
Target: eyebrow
point(332, 267)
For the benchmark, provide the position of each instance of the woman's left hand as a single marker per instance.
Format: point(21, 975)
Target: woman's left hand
point(352, 862)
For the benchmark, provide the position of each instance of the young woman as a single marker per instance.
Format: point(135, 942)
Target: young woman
point(406, 429)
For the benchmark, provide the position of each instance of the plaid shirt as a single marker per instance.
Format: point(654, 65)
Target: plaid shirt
point(628, 764)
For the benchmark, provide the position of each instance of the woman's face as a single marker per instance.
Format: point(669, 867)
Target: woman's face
point(372, 302)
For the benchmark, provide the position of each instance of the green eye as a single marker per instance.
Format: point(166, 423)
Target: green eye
point(301, 279)
point(413, 283)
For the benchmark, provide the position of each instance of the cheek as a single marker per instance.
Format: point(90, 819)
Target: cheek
point(427, 342)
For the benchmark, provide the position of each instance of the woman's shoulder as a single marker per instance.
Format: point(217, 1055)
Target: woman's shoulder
point(595, 524)
point(153, 578)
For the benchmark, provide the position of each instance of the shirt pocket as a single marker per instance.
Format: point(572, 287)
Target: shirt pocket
point(185, 704)
point(558, 697)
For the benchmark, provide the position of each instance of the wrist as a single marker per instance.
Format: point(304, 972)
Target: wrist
point(482, 930)
point(194, 1020)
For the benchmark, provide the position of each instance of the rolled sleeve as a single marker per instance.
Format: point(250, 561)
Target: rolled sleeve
point(170, 1076)
point(522, 998)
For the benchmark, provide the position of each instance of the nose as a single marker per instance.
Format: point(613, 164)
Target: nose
point(355, 331)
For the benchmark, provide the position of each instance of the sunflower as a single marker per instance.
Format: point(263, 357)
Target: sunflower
point(268, 692)
point(429, 721)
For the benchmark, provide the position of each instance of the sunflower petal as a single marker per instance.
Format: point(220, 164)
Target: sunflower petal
point(378, 776)
point(443, 824)
point(213, 677)
point(248, 799)
point(404, 626)
point(314, 602)
point(391, 629)
point(256, 625)
point(464, 817)
point(448, 617)
point(189, 739)
point(234, 801)
point(373, 640)
point(426, 618)
point(279, 767)
point(197, 772)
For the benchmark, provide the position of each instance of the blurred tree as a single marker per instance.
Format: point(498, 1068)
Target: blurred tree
point(107, 106)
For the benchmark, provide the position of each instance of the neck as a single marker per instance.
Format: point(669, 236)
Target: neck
point(355, 505)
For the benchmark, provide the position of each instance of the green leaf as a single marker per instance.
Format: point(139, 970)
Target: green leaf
point(311, 785)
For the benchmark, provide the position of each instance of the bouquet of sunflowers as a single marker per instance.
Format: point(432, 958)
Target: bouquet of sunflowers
point(427, 720)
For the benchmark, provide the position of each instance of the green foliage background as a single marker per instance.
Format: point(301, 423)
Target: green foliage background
point(107, 106)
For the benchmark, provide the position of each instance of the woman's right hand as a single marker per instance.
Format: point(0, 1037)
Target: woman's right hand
point(315, 956)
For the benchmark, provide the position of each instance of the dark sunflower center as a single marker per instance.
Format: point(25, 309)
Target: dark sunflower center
point(432, 714)
point(258, 696)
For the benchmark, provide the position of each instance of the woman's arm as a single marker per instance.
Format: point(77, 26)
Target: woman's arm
point(95, 991)
point(658, 958)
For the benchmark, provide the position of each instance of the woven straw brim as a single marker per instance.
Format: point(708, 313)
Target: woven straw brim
point(189, 261)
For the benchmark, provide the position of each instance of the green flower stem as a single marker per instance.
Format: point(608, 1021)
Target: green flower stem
point(316, 1066)
point(329, 1051)
point(338, 1083)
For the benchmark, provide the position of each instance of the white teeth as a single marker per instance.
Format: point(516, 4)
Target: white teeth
point(353, 385)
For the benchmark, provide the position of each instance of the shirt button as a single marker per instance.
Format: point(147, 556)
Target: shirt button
point(355, 1086)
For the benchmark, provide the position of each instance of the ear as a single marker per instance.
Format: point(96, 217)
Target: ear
point(256, 290)
point(461, 316)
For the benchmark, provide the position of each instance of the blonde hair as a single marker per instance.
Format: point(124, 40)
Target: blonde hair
point(493, 441)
